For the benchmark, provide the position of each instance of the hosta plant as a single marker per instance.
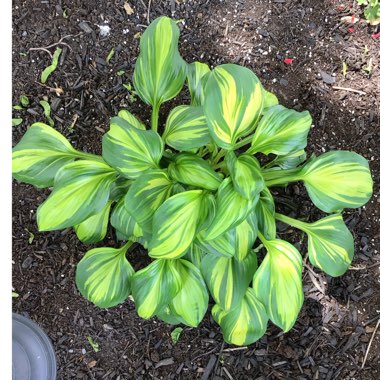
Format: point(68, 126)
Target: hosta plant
point(195, 191)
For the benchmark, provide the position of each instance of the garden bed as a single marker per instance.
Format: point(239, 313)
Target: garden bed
point(297, 49)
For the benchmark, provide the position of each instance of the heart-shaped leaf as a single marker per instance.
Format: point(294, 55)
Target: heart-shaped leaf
point(233, 103)
point(103, 276)
point(244, 324)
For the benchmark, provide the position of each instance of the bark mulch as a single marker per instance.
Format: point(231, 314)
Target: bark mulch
point(339, 316)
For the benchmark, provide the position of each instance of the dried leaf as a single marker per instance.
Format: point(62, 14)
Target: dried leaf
point(128, 8)
point(349, 19)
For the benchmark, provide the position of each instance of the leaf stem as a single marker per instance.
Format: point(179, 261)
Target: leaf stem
point(154, 121)
point(245, 141)
point(281, 177)
point(291, 221)
point(219, 156)
point(262, 238)
point(125, 247)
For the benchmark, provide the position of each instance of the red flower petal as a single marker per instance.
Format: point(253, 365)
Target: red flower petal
point(350, 30)
point(288, 61)
point(377, 35)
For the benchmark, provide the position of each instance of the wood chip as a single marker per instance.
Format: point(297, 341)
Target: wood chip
point(164, 362)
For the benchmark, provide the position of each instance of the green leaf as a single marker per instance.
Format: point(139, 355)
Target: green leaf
point(228, 279)
point(289, 161)
point(231, 209)
point(50, 69)
point(146, 195)
point(47, 110)
point(155, 286)
point(245, 234)
point(195, 255)
point(123, 221)
point(81, 190)
point(270, 100)
point(94, 229)
point(281, 131)
point(196, 71)
point(233, 103)
point(338, 179)
point(190, 169)
point(95, 346)
point(131, 119)
point(372, 14)
point(40, 153)
point(160, 72)
point(236, 242)
point(15, 295)
point(186, 128)
point(265, 211)
point(24, 100)
point(175, 334)
point(16, 122)
point(131, 150)
point(175, 224)
point(246, 174)
point(103, 276)
point(278, 283)
point(223, 245)
point(191, 302)
point(110, 55)
point(330, 243)
point(246, 323)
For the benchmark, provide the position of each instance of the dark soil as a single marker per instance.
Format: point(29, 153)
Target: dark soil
point(338, 319)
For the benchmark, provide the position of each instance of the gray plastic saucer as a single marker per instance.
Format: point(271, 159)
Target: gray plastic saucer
point(33, 355)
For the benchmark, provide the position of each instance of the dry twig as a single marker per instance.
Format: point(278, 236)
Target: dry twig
point(349, 89)
point(370, 342)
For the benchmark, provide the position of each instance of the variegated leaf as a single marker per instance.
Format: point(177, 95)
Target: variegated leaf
point(233, 103)
point(245, 236)
point(124, 223)
point(191, 169)
point(228, 279)
point(278, 282)
point(236, 242)
point(146, 195)
point(81, 190)
point(195, 255)
point(155, 286)
point(191, 302)
point(265, 211)
point(160, 72)
point(270, 100)
point(338, 179)
point(131, 150)
point(246, 323)
point(289, 161)
point(175, 224)
point(131, 119)
point(246, 174)
point(103, 276)
point(41, 152)
point(281, 131)
point(196, 71)
point(223, 245)
point(231, 209)
point(186, 128)
point(330, 243)
point(94, 229)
